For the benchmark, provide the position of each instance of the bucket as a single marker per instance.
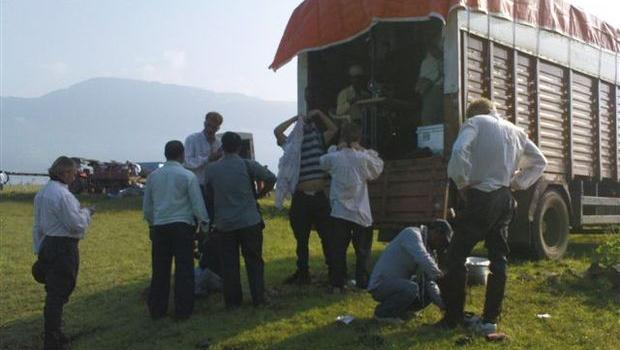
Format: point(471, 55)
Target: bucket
point(477, 270)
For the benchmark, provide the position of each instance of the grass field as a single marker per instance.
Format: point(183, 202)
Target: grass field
point(107, 309)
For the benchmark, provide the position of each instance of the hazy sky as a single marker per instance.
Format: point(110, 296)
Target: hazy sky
point(220, 45)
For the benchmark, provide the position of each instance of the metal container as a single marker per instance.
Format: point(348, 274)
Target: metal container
point(477, 270)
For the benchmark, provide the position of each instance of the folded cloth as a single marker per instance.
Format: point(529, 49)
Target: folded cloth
point(288, 166)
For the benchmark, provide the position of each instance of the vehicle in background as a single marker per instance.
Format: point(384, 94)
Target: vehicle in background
point(550, 69)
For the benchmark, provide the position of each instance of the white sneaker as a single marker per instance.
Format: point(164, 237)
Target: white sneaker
point(484, 328)
point(390, 320)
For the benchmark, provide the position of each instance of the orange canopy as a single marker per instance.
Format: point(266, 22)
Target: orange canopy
point(316, 24)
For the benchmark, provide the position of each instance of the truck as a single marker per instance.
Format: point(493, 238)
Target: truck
point(549, 67)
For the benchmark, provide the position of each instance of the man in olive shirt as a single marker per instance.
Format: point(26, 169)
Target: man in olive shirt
point(172, 201)
point(238, 220)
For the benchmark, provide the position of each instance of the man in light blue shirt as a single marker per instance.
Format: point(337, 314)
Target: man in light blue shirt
point(172, 204)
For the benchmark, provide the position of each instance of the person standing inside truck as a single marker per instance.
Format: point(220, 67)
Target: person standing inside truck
point(60, 222)
point(202, 148)
point(490, 158)
point(299, 175)
point(345, 108)
point(350, 167)
point(430, 81)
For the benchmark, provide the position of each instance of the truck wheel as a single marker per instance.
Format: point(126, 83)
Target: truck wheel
point(550, 227)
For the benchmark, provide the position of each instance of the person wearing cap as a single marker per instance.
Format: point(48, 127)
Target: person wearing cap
point(491, 157)
point(60, 222)
point(173, 206)
point(345, 108)
point(404, 278)
point(238, 220)
point(350, 167)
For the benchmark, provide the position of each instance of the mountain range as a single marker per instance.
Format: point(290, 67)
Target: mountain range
point(122, 119)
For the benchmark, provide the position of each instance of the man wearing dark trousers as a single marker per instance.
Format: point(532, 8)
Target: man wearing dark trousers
point(490, 157)
point(59, 224)
point(172, 201)
point(310, 204)
point(238, 220)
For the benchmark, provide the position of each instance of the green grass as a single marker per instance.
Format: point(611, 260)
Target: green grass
point(107, 309)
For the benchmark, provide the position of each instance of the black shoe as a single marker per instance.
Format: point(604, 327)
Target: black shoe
point(445, 324)
point(299, 277)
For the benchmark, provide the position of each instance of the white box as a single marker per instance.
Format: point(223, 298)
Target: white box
point(431, 136)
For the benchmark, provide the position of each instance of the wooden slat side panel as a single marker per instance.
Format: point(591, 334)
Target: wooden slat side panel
point(585, 138)
point(617, 126)
point(607, 131)
point(526, 94)
point(503, 90)
point(409, 192)
point(477, 69)
point(553, 117)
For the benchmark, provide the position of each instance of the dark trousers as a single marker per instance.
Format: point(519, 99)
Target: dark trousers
point(397, 297)
point(343, 233)
point(210, 248)
point(485, 216)
point(308, 211)
point(61, 259)
point(250, 240)
point(170, 241)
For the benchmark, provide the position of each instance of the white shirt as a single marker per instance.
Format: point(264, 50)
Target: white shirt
point(350, 170)
point(431, 69)
point(289, 164)
point(197, 152)
point(57, 213)
point(491, 152)
point(172, 194)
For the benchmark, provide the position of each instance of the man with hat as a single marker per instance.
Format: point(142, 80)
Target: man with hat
point(403, 279)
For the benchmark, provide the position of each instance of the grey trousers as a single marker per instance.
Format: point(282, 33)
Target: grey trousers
point(396, 297)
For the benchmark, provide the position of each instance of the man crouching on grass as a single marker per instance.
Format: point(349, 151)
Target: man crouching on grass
point(403, 280)
point(172, 199)
point(59, 224)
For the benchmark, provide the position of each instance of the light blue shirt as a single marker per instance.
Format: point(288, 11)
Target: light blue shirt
point(172, 194)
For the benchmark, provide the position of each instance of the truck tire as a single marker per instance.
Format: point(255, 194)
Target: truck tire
point(550, 227)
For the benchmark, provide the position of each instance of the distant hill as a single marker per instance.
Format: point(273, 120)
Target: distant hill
point(121, 119)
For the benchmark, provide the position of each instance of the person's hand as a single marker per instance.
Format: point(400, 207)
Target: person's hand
point(314, 113)
point(342, 145)
point(356, 146)
point(215, 155)
point(92, 209)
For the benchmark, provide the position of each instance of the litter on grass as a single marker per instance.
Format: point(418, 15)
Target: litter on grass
point(543, 316)
point(345, 319)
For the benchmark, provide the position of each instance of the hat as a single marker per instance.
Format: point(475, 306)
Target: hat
point(443, 227)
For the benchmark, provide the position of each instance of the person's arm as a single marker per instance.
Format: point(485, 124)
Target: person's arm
point(532, 164)
point(192, 159)
point(459, 166)
point(414, 246)
point(75, 218)
point(278, 132)
point(325, 162)
point(198, 204)
point(332, 129)
point(374, 164)
point(265, 175)
point(433, 292)
point(343, 106)
point(36, 231)
point(147, 202)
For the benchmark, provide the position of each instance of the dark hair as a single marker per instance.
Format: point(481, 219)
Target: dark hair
point(350, 132)
point(231, 142)
point(174, 149)
point(60, 165)
point(443, 228)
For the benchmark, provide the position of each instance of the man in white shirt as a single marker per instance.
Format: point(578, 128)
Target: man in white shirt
point(351, 167)
point(202, 148)
point(490, 157)
point(173, 206)
point(59, 224)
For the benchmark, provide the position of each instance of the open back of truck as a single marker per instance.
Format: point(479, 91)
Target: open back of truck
point(549, 67)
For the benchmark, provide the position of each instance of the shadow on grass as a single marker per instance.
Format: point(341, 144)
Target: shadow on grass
point(117, 317)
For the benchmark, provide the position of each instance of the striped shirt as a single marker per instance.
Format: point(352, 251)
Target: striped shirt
point(312, 148)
